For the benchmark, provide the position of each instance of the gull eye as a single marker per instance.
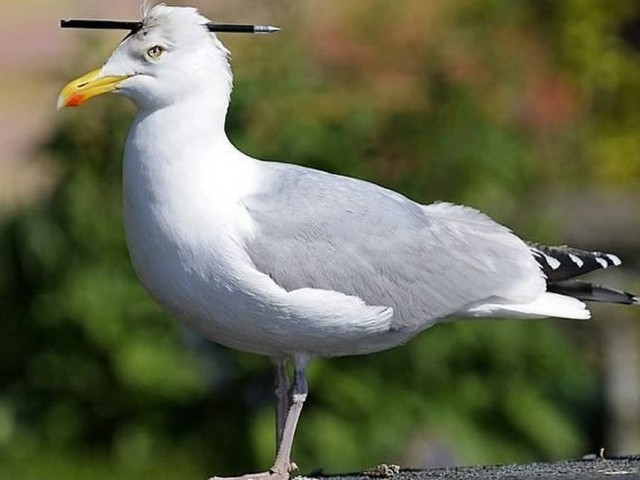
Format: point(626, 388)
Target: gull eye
point(155, 52)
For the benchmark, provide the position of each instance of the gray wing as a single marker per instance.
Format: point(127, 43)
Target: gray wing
point(325, 231)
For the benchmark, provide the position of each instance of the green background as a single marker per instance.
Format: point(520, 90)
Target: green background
point(495, 104)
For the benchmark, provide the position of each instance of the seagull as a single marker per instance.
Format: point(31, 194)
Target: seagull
point(290, 262)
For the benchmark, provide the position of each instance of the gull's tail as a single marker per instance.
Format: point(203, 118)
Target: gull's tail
point(562, 265)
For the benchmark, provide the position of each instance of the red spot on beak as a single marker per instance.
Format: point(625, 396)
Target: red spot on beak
point(76, 100)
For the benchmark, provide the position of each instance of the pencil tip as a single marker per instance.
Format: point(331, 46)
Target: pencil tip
point(266, 29)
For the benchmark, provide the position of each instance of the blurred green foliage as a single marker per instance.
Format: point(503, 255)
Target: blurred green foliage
point(474, 102)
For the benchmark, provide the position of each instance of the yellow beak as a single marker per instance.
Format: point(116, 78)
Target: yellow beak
point(78, 91)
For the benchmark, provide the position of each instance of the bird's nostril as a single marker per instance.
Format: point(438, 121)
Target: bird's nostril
point(83, 84)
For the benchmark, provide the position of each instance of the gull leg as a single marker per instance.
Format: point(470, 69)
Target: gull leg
point(282, 387)
point(282, 466)
point(298, 396)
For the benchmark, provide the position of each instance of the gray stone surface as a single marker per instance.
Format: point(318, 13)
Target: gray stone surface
point(591, 469)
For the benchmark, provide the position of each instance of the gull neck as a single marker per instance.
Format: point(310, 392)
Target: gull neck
point(197, 121)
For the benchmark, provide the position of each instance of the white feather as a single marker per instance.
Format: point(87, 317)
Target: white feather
point(615, 259)
point(547, 305)
point(576, 259)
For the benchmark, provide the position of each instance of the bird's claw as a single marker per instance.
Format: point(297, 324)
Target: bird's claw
point(274, 473)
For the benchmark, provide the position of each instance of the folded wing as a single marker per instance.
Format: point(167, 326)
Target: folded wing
point(317, 230)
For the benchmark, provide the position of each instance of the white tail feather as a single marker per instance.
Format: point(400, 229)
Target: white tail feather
point(547, 305)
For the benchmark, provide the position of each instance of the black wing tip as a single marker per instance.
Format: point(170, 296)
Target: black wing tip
point(563, 262)
point(633, 299)
point(589, 292)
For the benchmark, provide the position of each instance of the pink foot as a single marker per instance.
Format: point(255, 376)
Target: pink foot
point(274, 473)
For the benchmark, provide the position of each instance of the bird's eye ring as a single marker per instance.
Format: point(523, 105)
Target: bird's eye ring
point(155, 51)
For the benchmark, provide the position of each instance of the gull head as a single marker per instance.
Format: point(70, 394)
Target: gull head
point(171, 58)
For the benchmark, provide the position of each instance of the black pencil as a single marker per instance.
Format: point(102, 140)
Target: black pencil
point(133, 26)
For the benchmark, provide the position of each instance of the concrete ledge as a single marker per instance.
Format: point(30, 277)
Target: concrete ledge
point(591, 469)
